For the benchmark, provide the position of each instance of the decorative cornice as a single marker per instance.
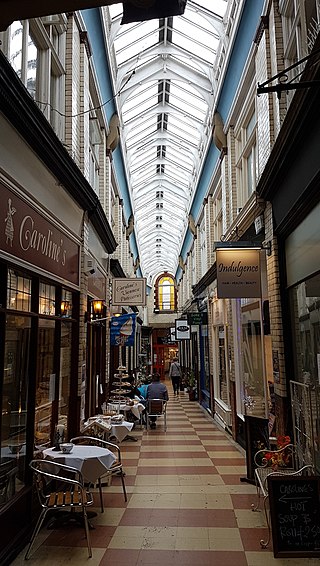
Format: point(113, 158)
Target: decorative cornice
point(85, 40)
point(264, 24)
point(205, 281)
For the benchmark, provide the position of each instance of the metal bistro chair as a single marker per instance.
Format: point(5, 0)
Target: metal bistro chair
point(116, 466)
point(62, 490)
point(156, 408)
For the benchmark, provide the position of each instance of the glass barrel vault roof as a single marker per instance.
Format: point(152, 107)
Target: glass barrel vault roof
point(163, 72)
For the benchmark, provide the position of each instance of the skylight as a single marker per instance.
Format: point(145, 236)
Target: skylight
point(165, 111)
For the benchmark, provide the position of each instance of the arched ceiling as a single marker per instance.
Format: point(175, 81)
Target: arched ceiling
point(163, 71)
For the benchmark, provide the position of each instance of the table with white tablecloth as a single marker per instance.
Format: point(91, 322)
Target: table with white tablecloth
point(92, 461)
point(136, 409)
point(96, 426)
point(121, 431)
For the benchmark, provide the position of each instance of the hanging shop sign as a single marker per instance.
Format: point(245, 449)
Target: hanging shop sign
point(30, 236)
point(122, 330)
point(129, 291)
point(238, 273)
point(182, 329)
point(197, 318)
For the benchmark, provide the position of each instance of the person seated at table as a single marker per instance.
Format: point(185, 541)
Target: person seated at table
point(156, 390)
point(142, 391)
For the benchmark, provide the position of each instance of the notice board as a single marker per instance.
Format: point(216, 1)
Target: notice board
point(295, 515)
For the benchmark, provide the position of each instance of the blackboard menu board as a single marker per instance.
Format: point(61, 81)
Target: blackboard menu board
point(295, 515)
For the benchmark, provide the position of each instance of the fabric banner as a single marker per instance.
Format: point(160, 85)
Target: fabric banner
point(122, 330)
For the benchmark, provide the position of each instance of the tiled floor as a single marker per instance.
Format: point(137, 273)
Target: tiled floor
point(186, 504)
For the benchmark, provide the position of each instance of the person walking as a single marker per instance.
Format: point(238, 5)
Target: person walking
point(156, 390)
point(175, 374)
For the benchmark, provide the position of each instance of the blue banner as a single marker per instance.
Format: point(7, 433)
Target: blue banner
point(122, 330)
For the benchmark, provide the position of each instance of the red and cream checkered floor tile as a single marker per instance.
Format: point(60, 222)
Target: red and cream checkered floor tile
point(186, 504)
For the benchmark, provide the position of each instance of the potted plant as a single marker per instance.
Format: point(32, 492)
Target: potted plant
point(190, 384)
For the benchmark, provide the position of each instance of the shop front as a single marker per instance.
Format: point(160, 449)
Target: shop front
point(303, 279)
point(246, 356)
point(220, 359)
point(39, 318)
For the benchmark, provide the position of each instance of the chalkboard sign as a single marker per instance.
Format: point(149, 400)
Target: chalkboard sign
point(257, 438)
point(295, 515)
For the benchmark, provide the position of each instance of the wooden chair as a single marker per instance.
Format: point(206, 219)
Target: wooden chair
point(116, 467)
point(59, 487)
point(156, 408)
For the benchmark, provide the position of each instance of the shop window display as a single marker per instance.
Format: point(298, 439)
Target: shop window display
point(256, 361)
point(305, 314)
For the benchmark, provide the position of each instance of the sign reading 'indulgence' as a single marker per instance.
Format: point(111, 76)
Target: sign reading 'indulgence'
point(238, 273)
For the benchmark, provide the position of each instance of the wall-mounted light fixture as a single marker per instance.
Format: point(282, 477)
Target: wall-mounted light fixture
point(240, 244)
point(65, 308)
point(97, 307)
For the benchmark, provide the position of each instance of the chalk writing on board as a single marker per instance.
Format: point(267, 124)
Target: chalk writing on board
point(295, 515)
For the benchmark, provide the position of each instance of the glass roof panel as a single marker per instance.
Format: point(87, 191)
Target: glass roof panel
point(164, 115)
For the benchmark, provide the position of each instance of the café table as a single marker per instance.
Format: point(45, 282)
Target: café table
point(121, 431)
point(136, 409)
point(91, 461)
point(96, 426)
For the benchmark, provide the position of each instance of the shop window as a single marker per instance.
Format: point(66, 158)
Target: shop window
point(221, 363)
point(66, 304)
point(165, 293)
point(45, 381)
point(14, 405)
point(65, 373)
point(47, 299)
point(305, 309)
point(19, 292)
point(256, 353)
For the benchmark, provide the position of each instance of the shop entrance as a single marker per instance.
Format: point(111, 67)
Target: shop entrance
point(162, 357)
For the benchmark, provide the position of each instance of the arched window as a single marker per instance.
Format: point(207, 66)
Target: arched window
point(165, 293)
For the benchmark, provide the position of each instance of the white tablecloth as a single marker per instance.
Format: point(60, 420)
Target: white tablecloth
point(120, 431)
point(92, 461)
point(135, 409)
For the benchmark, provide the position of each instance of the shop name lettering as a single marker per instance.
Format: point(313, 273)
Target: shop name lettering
point(238, 269)
point(129, 289)
point(31, 238)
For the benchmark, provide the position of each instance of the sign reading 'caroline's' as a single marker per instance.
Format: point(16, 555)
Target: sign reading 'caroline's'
point(29, 236)
point(238, 273)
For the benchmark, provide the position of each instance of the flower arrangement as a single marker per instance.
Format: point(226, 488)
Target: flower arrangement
point(280, 458)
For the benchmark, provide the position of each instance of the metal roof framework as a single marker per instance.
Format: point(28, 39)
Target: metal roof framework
point(164, 73)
